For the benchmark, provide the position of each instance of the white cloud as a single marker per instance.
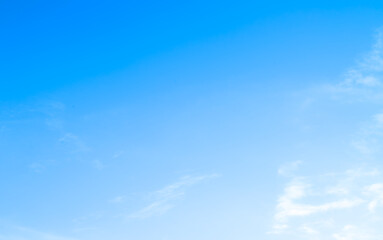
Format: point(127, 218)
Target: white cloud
point(288, 207)
point(318, 206)
point(376, 192)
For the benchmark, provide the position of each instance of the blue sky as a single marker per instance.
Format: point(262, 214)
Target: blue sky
point(191, 120)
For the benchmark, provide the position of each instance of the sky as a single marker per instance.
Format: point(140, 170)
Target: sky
point(203, 120)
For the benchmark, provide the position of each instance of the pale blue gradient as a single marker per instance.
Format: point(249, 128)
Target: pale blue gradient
point(179, 121)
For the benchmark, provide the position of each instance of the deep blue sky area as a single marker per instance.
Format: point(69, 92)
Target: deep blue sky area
point(48, 45)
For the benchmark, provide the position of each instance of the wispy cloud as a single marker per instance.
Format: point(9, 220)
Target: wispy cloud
point(98, 164)
point(163, 199)
point(24, 233)
point(288, 207)
point(37, 167)
point(118, 199)
point(288, 169)
point(352, 232)
point(369, 139)
point(375, 191)
point(366, 72)
point(364, 81)
point(74, 141)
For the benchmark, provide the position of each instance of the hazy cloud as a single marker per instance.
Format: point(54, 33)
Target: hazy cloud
point(163, 199)
point(23, 233)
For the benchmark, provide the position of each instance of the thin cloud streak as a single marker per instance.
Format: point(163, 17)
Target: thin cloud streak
point(24, 233)
point(165, 197)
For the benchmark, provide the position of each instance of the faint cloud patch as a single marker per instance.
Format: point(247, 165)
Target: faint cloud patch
point(98, 164)
point(37, 167)
point(163, 199)
point(74, 142)
point(117, 154)
point(369, 139)
point(118, 199)
point(352, 232)
point(289, 168)
point(23, 233)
